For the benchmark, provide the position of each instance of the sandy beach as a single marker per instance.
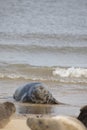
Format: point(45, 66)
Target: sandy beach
point(17, 124)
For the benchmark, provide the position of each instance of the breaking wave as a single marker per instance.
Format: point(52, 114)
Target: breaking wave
point(38, 73)
point(71, 72)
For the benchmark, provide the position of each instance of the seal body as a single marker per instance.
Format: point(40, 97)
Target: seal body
point(55, 123)
point(7, 109)
point(35, 92)
point(83, 115)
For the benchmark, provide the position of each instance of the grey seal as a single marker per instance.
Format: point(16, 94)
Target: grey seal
point(83, 115)
point(34, 92)
point(55, 123)
point(7, 109)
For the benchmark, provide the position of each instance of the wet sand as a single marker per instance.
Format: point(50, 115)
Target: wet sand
point(73, 94)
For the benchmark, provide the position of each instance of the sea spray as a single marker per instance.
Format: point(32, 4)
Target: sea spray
point(70, 72)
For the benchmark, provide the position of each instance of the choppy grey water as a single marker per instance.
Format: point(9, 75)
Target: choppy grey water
point(44, 41)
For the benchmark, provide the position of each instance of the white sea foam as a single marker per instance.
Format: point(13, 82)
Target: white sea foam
point(59, 74)
point(70, 72)
point(20, 76)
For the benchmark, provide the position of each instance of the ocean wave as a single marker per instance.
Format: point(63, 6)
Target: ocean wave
point(42, 48)
point(71, 72)
point(42, 79)
point(63, 36)
point(38, 73)
point(16, 76)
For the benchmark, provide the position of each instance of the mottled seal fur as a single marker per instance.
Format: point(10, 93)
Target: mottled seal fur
point(35, 92)
point(55, 123)
point(7, 109)
point(83, 115)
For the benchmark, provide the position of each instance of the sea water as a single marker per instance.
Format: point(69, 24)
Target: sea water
point(45, 41)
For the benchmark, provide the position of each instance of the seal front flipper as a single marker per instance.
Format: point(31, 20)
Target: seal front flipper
point(24, 98)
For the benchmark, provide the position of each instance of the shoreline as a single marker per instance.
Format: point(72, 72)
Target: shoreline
point(20, 122)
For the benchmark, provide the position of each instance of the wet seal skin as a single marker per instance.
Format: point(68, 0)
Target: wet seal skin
point(7, 109)
point(83, 115)
point(55, 123)
point(35, 92)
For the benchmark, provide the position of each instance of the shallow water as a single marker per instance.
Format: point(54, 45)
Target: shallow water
point(74, 96)
point(44, 41)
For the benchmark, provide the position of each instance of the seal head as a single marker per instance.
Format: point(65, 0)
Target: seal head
point(83, 115)
point(7, 110)
point(55, 123)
